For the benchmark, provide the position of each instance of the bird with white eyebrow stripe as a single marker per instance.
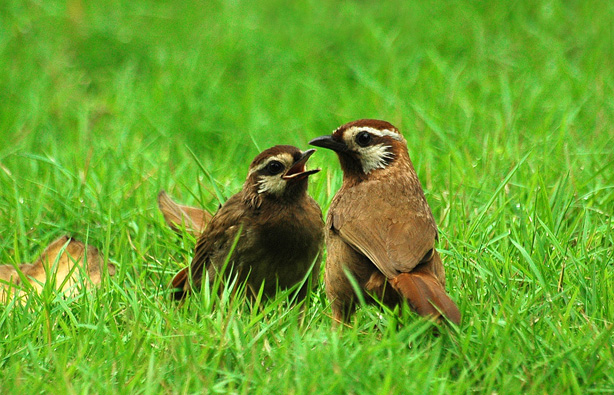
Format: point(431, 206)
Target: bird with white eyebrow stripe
point(277, 227)
point(380, 228)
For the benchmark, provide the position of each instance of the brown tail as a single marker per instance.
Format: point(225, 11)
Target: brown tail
point(176, 216)
point(426, 295)
point(181, 284)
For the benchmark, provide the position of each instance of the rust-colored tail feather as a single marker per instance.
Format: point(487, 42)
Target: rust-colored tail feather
point(426, 295)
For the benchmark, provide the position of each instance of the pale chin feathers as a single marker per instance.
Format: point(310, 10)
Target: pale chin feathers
point(375, 157)
point(271, 184)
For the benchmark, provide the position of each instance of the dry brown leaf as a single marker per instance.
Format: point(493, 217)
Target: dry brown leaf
point(62, 261)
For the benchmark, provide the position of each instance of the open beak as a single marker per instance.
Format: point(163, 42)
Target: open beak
point(330, 143)
point(297, 171)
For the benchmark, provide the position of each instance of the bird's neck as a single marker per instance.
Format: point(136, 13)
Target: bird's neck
point(401, 167)
point(293, 194)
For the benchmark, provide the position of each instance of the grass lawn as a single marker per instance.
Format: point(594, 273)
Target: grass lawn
point(508, 109)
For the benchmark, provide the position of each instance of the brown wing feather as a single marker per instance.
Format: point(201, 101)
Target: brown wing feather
point(398, 234)
point(218, 235)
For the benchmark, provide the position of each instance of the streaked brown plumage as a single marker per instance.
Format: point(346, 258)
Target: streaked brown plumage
point(380, 227)
point(280, 225)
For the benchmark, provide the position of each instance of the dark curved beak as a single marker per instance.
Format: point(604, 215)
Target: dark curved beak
point(297, 171)
point(330, 143)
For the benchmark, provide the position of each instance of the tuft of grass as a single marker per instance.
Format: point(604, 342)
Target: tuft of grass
point(508, 111)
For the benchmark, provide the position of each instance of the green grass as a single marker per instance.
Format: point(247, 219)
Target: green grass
point(508, 109)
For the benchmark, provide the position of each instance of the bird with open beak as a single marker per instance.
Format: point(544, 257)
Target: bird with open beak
point(380, 229)
point(270, 233)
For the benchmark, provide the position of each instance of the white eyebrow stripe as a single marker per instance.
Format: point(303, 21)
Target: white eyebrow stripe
point(382, 132)
point(283, 158)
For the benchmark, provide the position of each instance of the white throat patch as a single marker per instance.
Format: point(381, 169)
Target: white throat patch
point(375, 157)
point(271, 184)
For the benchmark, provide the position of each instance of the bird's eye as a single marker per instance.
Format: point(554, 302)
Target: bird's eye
point(363, 139)
point(274, 167)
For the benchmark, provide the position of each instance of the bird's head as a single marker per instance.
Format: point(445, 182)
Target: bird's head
point(279, 172)
point(365, 146)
